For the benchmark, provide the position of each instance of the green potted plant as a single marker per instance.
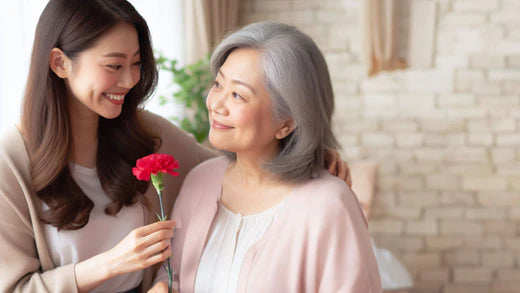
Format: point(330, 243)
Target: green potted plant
point(194, 81)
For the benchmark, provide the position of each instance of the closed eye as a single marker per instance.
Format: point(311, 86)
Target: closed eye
point(115, 67)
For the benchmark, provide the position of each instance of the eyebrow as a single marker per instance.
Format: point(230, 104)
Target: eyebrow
point(238, 82)
point(119, 55)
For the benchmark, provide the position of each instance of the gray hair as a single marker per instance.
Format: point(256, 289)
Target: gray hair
point(297, 80)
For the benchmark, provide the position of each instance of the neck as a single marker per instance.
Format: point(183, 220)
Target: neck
point(248, 188)
point(84, 136)
point(250, 170)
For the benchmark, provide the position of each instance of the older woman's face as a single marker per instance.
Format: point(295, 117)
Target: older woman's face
point(240, 108)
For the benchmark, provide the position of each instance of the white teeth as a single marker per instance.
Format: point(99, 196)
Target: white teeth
point(115, 97)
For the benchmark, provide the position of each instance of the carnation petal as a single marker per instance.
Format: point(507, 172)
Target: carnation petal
point(153, 164)
point(141, 174)
point(173, 173)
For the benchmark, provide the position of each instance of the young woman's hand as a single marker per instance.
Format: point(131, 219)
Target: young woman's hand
point(141, 248)
point(336, 166)
point(161, 287)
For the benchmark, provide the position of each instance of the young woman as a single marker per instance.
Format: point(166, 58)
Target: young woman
point(73, 217)
point(268, 217)
point(71, 211)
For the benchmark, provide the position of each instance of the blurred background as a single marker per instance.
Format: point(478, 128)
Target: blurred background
point(427, 91)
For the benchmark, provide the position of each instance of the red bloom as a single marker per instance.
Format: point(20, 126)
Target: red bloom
point(153, 164)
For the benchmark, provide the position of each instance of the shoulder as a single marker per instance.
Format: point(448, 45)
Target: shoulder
point(327, 197)
point(170, 134)
point(203, 181)
point(15, 178)
point(13, 153)
point(160, 124)
point(326, 188)
point(208, 171)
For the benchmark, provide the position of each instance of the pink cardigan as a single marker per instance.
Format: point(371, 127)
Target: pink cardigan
point(318, 243)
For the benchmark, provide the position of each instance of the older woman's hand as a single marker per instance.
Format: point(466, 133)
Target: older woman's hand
point(336, 166)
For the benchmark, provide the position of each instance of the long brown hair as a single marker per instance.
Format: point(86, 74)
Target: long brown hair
point(74, 26)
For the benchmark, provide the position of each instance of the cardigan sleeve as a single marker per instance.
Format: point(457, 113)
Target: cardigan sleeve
point(348, 263)
point(20, 266)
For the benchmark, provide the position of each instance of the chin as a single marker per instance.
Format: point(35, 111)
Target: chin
point(220, 144)
point(110, 115)
point(215, 143)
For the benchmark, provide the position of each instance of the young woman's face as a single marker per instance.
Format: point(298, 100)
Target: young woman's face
point(240, 108)
point(102, 75)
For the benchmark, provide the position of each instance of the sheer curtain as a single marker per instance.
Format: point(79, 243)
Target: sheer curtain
point(17, 25)
point(206, 22)
point(380, 36)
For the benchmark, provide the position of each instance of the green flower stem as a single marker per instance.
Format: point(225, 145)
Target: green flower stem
point(157, 181)
point(163, 216)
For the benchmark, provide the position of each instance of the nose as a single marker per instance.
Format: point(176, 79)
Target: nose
point(129, 77)
point(216, 103)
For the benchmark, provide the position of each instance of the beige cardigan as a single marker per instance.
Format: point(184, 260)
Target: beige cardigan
point(25, 261)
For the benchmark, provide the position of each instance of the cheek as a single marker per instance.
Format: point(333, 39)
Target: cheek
point(136, 75)
point(95, 78)
point(242, 115)
point(105, 81)
point(209, 100)
point(248, 119)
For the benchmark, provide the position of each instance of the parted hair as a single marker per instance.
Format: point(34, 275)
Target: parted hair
point(74, 26)
point(296, 77)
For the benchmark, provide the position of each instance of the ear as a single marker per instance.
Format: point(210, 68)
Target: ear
point(286, 128)
point(60, 63)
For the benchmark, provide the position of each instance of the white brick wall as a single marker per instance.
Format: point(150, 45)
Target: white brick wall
point(447, 138)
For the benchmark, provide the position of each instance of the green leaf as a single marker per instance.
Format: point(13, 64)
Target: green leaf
point(194, 81)
point(159, 217)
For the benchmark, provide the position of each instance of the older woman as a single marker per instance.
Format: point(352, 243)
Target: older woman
point(267, 217)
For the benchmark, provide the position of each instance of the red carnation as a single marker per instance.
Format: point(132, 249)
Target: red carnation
point(153, 164)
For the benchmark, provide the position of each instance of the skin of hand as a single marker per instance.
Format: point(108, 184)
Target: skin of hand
point(337, 167)
point(141, 248)
point(161, 287)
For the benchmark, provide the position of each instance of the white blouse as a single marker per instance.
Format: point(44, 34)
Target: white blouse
point(230, 238)
point(101, 233)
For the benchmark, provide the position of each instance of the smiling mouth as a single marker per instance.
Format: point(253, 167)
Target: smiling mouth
point(117, 99)
point(218, 125)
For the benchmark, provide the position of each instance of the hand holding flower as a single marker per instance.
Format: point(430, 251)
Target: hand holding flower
point(141, 248)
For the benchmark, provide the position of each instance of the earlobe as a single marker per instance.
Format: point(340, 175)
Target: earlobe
point(286, 129)
point(59, 62)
